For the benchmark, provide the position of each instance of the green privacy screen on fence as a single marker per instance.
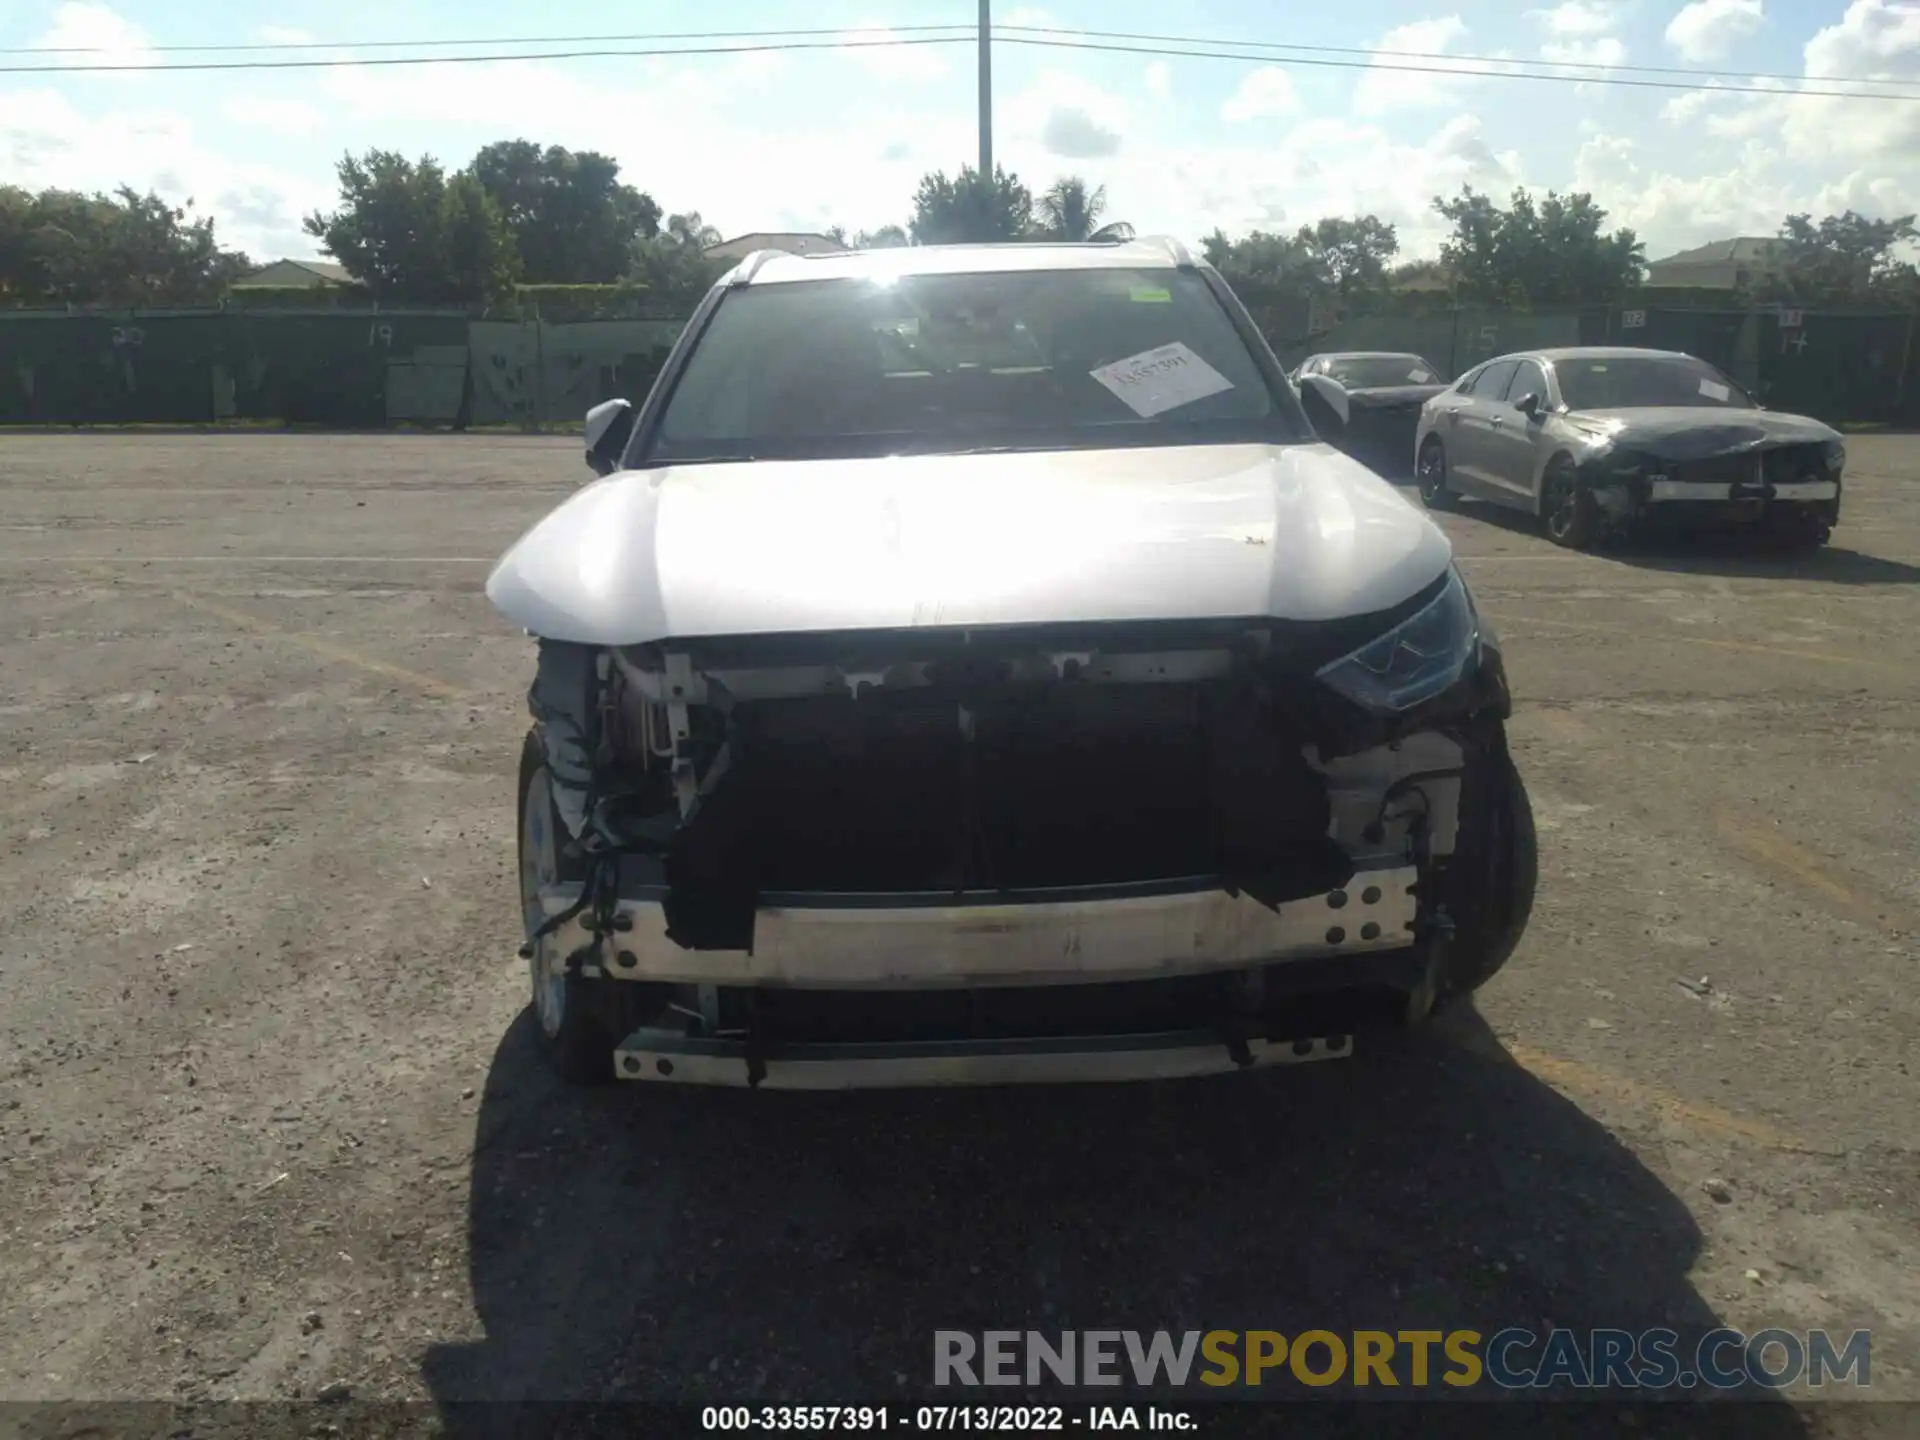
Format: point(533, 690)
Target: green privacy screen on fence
point(349, 369)
point(356, 369)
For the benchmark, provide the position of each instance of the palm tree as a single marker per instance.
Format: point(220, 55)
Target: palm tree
point(1069, 211)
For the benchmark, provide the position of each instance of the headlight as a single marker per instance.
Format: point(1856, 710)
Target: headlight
point(1417, 659)
point(1836, 454)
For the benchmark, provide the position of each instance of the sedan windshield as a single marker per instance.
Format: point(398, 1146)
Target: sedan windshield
point(1377, 372)
point(1636, 382)
point(943, 363)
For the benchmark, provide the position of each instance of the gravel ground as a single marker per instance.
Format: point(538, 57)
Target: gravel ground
point(270, 1123)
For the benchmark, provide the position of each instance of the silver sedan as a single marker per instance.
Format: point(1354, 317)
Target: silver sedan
point(1595, 440)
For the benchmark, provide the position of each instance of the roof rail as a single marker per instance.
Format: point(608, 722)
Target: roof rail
point(1176, 250)
point(750, 264)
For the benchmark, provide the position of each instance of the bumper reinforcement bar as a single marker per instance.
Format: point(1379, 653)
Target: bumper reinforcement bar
point(671, 1057)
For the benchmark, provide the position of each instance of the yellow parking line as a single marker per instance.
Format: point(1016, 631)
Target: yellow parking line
point(446, 690)
point(1567, 1074)
point(1809, 870)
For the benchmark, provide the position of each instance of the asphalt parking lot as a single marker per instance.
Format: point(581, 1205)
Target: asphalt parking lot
point(270, 1123)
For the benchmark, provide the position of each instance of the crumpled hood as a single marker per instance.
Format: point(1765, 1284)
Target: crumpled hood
point(1696, 432)
point(1296, 532)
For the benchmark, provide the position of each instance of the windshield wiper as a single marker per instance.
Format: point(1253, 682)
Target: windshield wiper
point(658, 463)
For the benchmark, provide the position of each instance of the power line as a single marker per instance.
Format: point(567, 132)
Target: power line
point(850, 40)
point(964, 32)
point(385, 60)
point(1703, 76)
point(442, 42)
point(1508, 71)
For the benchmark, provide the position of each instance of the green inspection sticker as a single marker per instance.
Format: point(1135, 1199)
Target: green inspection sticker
point(1147, 295)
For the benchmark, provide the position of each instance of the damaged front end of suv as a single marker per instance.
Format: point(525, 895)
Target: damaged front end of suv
point(842, 775)
point(1022, 852)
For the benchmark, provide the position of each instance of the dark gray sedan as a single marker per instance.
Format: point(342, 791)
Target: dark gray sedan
point(1598, 439)
point(1367, 403)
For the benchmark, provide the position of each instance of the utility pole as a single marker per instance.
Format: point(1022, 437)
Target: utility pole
point(986, 93)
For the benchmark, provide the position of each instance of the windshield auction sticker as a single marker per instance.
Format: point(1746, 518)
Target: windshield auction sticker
point(1155, 381)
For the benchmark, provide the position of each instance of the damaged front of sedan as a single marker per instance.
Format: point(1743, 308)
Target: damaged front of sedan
point(1661, 439)
point(969, 668)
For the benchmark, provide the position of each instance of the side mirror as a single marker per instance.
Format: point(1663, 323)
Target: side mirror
point(609, 427)
point(1528, 405)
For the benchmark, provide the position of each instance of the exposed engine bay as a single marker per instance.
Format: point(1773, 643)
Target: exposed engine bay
point(746, 782)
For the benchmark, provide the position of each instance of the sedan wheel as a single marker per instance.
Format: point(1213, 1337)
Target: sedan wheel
point(1572, 518)
point(1431, 471)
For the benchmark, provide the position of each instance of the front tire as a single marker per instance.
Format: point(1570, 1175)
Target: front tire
point(1572, 517)
point(1492, 901)
point(574, 1016)
point(1430, 469)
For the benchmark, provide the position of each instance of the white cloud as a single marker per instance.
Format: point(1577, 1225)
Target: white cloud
point(1579, 32)
point(694, 134)
point(282, 35)
point(46, 140)
point(1602, 50)
point(1159, 80)
point(1324, 165)
point(292, 118)
point(1709, 29)
point(1066, 116)
point(1262, 94)
point(1405, 87)
point(1873, 39)
point(1576, 18)
point(867, 45)
point(100, 36)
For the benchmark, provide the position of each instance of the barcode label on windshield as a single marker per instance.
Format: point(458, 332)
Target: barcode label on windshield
point(1156, 381)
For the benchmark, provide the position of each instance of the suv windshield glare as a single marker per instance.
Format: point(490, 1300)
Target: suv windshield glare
point(1646, 382)
point(945, 363)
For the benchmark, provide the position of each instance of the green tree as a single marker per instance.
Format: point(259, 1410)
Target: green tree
point(572, 220)
point(1069, 210)
point(1351, 253)
point(128, 248)
point(410, 232)
point(1265, 264)
point(970, 209)
point(1553, 252)
point(887, 237)
point(674, 265)
point(1845, 259)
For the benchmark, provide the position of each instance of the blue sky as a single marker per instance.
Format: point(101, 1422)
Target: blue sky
point(806, 138)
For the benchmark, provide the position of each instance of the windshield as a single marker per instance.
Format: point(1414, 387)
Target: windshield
point(930, 364)
point(1376, 372)
point(1646, 381)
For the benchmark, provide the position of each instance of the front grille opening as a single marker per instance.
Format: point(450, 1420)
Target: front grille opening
point(1028, 787)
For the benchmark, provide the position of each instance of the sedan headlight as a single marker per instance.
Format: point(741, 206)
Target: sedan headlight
point(1415, 660)
point(1836, 456)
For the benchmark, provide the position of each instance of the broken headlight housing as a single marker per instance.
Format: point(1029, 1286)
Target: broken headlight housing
point(1417, 659)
